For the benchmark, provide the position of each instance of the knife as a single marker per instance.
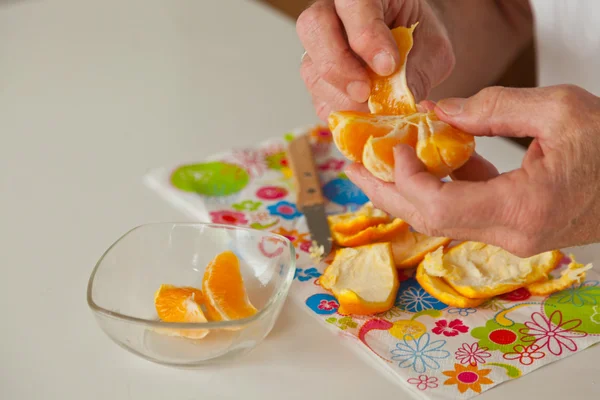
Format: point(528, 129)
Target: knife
point(309, 199)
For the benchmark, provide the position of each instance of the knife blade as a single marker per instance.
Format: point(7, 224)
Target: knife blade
point(309, 199)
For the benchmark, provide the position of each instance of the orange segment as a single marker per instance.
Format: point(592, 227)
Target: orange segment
point(477, 270)
point(378, 233)
point(354, 222)
point(180, 304)
point(409, 248)
point(391, 95)
point(439, 289)
point(224, 291)
point(352, 129)
point(575, 273)
point(363, 279)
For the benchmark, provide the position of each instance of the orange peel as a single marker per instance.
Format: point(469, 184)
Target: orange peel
point(180, 304)
point(573, 274)
point(410, 248)
point(224, 292)
point(438, 288)
point(478, 270)
point(378, 233)
point(354, 222)
point(363, 279)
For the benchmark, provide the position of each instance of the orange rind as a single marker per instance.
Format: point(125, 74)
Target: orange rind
point(354, 222)
point(363, 279)
point(439, 289)
point(573, 274)
point(180, 304)
point(378, 233)
point(478, 271)
point(370, 138)
point(224, 291)
point(409, 248)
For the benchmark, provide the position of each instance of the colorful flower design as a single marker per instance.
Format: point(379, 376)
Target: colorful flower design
point(419, 354)
point(342, 323)
point(468, 377)
point(328, 305)
point(552, 333)
point(463, 312)
point(520, 294)
point(471, 354)
point(333, 164)
point(321, 134)
point(292, 235)
point(452, 328)
point(343, 192)
point(251, 160)
point(305, 246)
point(228, 217)
point(412, 297)
point(493, 304)
point(276, 160)
point(271, 193)
point(285, 210)
point(586, 293)
point(247, 205)
point(494, 336)
point(212, 179)
point(304, 275)
point(525, 354)
point(424, 382)
point(315, 302)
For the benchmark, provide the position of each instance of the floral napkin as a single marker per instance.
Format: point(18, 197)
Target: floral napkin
point(436, 351)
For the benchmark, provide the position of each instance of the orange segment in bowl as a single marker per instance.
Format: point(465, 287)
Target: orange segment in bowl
point(363, 279)
point(378, 233)
point(409, 248)
point(224, 291)
point(391, 95)
point(180, 304)
point(354, 222)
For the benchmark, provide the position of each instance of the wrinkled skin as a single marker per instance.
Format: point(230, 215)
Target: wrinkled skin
point(341, 36)
point(552, 201)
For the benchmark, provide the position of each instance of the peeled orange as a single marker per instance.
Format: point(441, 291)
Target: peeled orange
point(370, 138)
point(575, 273)
point(224, 291)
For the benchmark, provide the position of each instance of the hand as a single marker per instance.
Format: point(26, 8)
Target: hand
point(341, 36)
point(551, 202)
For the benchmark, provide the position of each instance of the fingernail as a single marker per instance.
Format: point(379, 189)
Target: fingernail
point(383, 63)
point(452, 106)
point(358, 91)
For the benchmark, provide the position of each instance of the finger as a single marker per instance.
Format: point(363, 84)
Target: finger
point(386, 196)
point(427, 105)
point(383, 195)
point(326, 98)
point(476, 169)
point(368, 34)
point(498, 111)
point(432, 57)
point(459, 204)
point(322, 36)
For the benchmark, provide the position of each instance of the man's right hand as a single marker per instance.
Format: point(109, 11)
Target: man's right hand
point(341, 36)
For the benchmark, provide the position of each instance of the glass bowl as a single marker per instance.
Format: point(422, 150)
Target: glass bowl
point(121, 289)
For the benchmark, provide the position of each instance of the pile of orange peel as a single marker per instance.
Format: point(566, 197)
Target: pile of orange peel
point(370, 245)
point(223, 298)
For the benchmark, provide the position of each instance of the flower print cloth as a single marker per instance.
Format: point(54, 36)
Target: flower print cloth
point(436, 351)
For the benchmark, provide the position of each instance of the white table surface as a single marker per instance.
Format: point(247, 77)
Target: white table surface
point(93, 93)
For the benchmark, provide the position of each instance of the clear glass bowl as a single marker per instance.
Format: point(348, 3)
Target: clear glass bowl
point(122, 286)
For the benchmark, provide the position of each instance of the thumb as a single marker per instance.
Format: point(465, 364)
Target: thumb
point(497, 111)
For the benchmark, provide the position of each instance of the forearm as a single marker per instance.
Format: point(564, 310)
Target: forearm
point(486, 35)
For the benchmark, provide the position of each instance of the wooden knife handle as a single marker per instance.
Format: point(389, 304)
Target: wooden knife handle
point(301, 160)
